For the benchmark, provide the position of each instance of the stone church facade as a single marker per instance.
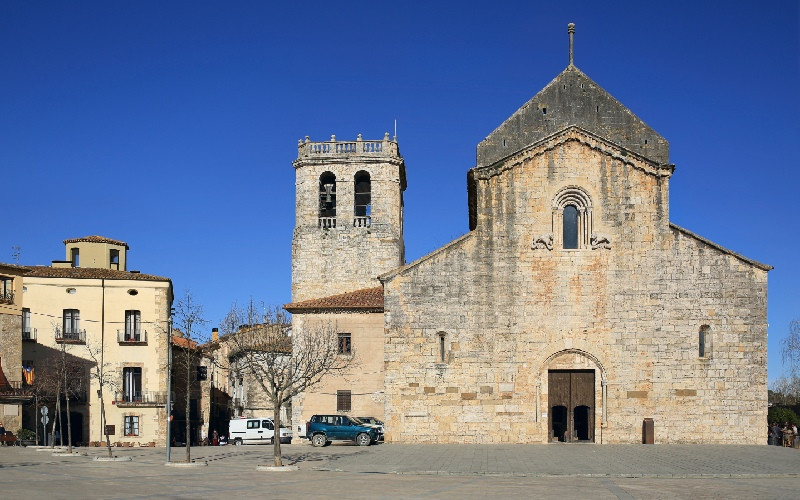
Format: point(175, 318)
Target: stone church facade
point(572, 310)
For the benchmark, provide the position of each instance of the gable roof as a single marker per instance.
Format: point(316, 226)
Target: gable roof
point(364, 300)
point(97, 239)
point(754, 263)
point(572, 98)
point(89, 273)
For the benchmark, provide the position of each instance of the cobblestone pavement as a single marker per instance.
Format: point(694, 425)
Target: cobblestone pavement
point(411, 471)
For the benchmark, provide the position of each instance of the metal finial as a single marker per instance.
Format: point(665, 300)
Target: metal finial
point(571, 31)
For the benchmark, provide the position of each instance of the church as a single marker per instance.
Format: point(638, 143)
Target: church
point(572, 311)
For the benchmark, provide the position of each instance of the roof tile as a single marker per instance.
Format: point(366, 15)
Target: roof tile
point(367, 299)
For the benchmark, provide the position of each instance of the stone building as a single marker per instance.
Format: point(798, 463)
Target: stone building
point(573, 309)
point(12, 333)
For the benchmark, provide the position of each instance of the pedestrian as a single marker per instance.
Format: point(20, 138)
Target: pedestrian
point(2, 433)
point(215, 438)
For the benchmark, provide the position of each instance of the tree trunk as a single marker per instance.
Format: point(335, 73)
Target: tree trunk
point(69, 420)
point(103, 420)
point(276, 420)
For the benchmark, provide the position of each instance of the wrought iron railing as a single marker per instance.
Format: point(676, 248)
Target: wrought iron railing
point(131, 337)
point(71, 336)
point(140, 398)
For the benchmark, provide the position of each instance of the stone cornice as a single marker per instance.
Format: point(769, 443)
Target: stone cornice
point(584, 137)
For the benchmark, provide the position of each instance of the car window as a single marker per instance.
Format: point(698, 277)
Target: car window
point(267, 424)
point(357, 420)
point(252, 424)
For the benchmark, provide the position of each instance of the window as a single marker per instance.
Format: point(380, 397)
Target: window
point(572, 218)
point(75, 257)
point(6, 290)
point(442, 351)
point(132, 384)
point(327, 200)
point(345, 345)
point(133, 321)
point(363, 200)
point(253, 424)
point(71, 323)
point(267, 424)
point(570, 233)
point(131, 425)
point(26, 323)
point(703, 341)
point(343, 401)
point(113, 258)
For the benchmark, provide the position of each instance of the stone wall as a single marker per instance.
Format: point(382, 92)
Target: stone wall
point(349, 256)
point(511, 309)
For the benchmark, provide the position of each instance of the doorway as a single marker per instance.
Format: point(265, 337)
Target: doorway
point(571, 401)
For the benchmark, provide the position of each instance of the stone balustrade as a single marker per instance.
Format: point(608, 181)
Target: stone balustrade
point(386, 147)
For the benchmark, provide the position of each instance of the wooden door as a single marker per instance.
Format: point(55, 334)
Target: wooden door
point(571, 404)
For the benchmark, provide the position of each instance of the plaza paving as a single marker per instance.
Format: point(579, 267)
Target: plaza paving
point(411, 471)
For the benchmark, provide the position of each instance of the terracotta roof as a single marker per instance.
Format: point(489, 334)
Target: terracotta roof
point(88, 273)
point(14, 267)
point(97, 239)
point(367, 299)
point(183, 342)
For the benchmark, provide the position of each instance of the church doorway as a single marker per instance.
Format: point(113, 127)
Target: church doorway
point(571, 401)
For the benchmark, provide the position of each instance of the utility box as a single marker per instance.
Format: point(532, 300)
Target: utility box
point(110, 430)
point(648, 432)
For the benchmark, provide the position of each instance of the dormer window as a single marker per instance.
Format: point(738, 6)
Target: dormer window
point(75, 257)
point(327, 200)
point(113, 258)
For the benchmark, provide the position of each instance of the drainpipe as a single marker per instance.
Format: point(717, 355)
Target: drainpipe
point(102, 349)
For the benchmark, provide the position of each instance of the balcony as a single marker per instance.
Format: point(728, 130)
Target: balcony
point(6, 297)
point(11, 392)
point(70, 336)
point(135, 337)
point(140, 399)
point(327, 222)
point(362, 221)
point(29, 335)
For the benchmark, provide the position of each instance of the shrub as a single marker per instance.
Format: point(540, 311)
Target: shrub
point(26, 434)
point(780, 414)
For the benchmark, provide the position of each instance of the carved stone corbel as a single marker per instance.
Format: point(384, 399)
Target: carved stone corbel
point(544, 241)
point(600, 241)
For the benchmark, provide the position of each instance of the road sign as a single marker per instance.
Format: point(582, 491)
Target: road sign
point(45, 410)
point(45, 419)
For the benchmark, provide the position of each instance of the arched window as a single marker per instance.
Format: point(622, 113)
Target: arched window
point(442, 347)
point(327, 200)
point(704, 342)
point(570, 233)
point(363, 199)
point(572, 218)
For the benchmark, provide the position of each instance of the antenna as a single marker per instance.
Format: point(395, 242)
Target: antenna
point(571, 31)
point(395, 129)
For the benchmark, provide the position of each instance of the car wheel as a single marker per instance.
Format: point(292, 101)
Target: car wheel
point(237, 441)
point(363, 439)
point(319, 440)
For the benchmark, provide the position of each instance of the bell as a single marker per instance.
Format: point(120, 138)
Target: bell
point(328, 189)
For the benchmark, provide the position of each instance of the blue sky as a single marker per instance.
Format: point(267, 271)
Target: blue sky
point(172, 125)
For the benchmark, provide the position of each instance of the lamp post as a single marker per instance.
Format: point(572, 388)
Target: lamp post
point(168, 407)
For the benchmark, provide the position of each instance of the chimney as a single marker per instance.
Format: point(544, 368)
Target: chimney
point(214, 334)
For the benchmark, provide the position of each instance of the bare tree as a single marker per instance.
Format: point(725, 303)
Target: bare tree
point(790, 348)
point(105, 376)
point(188, 320)
point(284, 363)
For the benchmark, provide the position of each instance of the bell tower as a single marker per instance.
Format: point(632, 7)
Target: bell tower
point(348, 215)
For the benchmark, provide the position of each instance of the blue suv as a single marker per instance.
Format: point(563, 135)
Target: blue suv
point(322, 429)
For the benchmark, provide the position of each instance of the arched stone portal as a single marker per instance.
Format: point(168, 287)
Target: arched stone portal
point(575, 395)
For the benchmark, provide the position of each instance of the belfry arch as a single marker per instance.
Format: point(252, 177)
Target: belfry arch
point(572, 398)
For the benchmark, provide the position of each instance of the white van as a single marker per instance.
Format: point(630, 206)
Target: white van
point(256, 430)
